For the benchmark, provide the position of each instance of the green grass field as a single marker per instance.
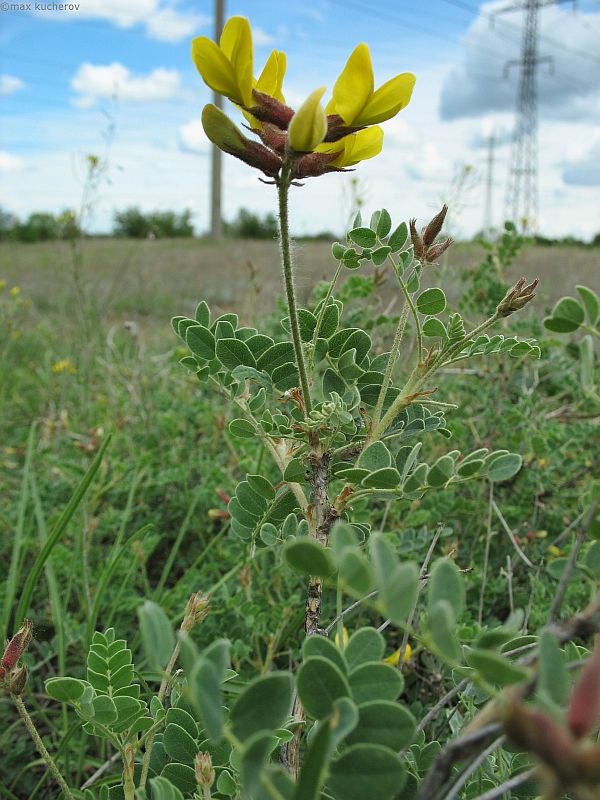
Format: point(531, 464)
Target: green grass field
point(87, 350)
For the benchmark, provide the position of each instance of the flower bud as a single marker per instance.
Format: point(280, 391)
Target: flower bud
point(584, 707)
point(433, 253)
point(229, 138)
point(517, 297)
point(196, 610)
point(205, 774)
point(17, 680)
point(17, 646)
point(536, 732)
point(432, 230)
point(416, 239)
point(308, 126)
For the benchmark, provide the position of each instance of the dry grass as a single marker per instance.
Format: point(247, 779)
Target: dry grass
point(151, 280)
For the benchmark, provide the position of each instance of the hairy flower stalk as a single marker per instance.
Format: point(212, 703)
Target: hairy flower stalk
point(196, 610)
point(13, 677)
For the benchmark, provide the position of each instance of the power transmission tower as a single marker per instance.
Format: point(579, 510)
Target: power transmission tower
point(522, 200)
point(488, 214)
point(216, 220)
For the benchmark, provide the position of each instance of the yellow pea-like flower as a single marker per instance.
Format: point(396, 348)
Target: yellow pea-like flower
point(355, 147)
point(395, 657)
point(355, 99)
point(227, 67)
point(309, 124)
point(270, 80)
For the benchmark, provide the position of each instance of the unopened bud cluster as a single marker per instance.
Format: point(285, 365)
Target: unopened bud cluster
point(13, 674)
point(424, 244)
point(196, 611)
point(203, 767)
point(517, 297)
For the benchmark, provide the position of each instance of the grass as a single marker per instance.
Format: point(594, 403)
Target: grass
point(151, 523)
point(151, 280)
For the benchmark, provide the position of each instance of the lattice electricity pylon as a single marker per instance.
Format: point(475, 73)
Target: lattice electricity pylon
point(522, 201)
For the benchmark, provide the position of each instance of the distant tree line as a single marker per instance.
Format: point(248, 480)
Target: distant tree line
point(133, 223)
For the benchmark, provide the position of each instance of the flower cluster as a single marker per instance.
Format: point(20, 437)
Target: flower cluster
point(311, 140)
point(424, 244)
point(196, 610)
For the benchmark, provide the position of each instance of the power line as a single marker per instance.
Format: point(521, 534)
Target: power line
point(542, 37)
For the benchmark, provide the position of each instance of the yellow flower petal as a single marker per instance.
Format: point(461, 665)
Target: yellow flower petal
point(359, 146)
point(309, 124)
point(395, 657)
point(215, 68)
point(270, 80)
point(388, 100)
point(236, 44)
point(354, 86)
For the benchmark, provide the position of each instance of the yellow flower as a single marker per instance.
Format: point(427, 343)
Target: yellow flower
point(344, 637)
point(309, 142)
point(354, 98)
point(2, 284)
point(227, 67)
point(15, 291)
point(309, 124)
point(355, 147)
point(270, 80)
point(555, 551)
point(395, 657)
point(64, 365)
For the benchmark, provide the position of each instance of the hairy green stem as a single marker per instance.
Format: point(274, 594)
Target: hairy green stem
point(322, 312)
point(41, 746)
point(387, 378)
point(283, 186)
point(161, 693)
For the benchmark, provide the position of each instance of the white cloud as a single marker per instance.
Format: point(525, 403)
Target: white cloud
point(567, 89)
point(584, 170)
point(192, 137)
point(101, 81)
point(9, 162)
point(260, 37)
point(162, 20)
point(10, 84)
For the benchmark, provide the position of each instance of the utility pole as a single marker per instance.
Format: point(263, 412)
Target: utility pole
point(488, 214)
point(522, 201)
point(216, 220)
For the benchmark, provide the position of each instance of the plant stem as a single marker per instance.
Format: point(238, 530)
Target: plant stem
point(322, 312)
point(387, 378)
point(283, 186)
point(161, 693)
point(41, 746)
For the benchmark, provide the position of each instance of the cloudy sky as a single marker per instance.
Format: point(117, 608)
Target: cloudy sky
point(115, 78)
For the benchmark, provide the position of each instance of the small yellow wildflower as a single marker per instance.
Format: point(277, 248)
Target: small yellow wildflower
point(2, 284)
point(15, 291)
point(63, 365)
point(555, 551)
point(395, 657)
point(344, 637)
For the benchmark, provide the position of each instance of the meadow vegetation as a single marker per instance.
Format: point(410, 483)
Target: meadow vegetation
point(334, 541)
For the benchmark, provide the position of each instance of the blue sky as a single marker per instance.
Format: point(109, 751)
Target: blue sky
point(116, 78)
